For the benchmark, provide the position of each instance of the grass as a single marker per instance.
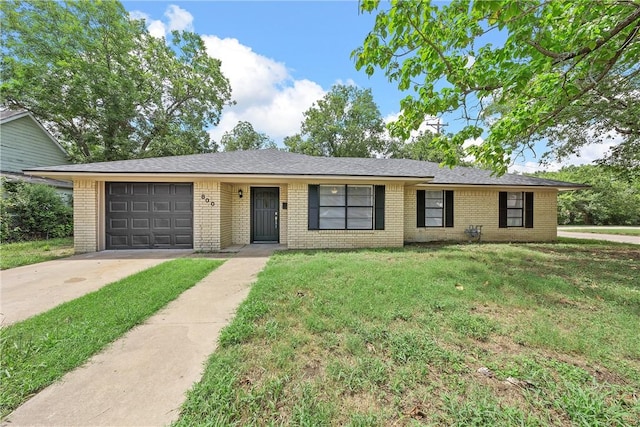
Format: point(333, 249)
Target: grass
point(395, 337)
point(25, 253)
point(40, 350)
point(604, 230)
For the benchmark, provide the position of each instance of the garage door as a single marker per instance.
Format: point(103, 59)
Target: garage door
point(149, 215)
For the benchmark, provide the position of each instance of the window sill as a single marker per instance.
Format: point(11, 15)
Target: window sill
point(345, 231)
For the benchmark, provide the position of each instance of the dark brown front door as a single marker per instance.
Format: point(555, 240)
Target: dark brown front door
point(264, 214)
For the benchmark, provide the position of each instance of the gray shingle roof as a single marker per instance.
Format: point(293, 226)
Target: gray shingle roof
point(7, 114)
point(275, 162)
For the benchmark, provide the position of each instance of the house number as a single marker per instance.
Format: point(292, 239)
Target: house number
point(206, 199)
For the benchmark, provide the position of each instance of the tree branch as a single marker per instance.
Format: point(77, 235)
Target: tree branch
point(565, 56)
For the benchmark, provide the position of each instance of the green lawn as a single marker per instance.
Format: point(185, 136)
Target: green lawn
point(375, 337)
point(38, 351)
point(25, 253)
point(604, 230)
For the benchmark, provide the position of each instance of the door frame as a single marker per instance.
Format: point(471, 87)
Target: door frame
point(252, 222)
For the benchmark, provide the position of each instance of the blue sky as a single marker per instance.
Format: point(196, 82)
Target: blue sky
point(282, 56)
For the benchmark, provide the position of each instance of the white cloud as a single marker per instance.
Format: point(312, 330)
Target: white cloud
point(430, 124)
point(265, 93)
point(470, 61)
point(348, 82)
point(157, 29)
point(179, 19)
point(587, 155)
point(138, 15)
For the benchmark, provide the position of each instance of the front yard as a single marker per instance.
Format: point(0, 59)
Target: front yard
point(40, 350)
point(396, 337)
point(25, 253)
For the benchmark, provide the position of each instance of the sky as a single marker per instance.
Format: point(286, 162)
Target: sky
point(282, 56)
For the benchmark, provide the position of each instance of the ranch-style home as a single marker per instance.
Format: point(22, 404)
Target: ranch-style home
point(208, 202)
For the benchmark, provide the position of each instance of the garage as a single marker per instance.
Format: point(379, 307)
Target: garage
point(149, 215)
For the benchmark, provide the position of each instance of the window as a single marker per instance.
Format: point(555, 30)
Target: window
point(346, 207)
point(516, 209)
point(435, 208)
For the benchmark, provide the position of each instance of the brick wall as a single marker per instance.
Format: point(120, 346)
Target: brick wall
point(480, 207)
point(206, 217)
point(241, 210)
point(228, 220)
point(300, 237)
point(85, 215)
point(226, 214)
point(284, 214)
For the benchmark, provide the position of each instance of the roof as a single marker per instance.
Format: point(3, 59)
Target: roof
point(8, 115)
point(282, 163)
point(13, 176)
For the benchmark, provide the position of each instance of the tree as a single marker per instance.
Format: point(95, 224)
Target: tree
point(106, 87)
point(612, 199)
point(565, 72)
point(345, 123)
point(244, 137)
point(421, 147)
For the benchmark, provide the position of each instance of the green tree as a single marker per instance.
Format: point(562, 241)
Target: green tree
point(106, 87)
point(244, 137)
point(421, 147)
point(564, 72)
point(612, 199)
point(345, 123)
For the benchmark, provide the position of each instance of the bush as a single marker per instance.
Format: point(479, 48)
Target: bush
point(33, 211)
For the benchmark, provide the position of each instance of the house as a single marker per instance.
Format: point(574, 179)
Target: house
point(211, 201)
point(24, 144)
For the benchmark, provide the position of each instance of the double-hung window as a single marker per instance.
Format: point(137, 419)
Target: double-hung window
point(346, 207)
point(516, 209)
point(435, 208)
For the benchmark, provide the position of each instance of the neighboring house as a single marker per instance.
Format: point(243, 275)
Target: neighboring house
point(25, 144)
point(211, 201)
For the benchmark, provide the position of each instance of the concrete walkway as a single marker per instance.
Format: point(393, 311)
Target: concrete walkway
point(33, 289)
point(141, 379)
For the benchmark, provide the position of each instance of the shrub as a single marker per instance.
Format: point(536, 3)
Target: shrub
point(33, 211)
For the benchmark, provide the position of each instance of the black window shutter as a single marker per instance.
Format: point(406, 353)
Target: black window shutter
point(502, 207)
point(379, 207)
point(420, 194)
point(528, 210)
point(314, 207)
point(448, 207)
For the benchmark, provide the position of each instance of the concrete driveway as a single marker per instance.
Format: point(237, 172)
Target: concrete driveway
point(141, 379)
point(33, 289)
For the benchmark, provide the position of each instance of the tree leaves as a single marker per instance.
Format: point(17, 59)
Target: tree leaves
point(244, 137)
point(538, 67)
point(345, 123)
point(103, 85)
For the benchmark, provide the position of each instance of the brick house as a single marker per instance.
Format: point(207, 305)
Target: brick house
point(211, 201)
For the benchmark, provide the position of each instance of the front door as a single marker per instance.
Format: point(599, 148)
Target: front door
point(264, 214)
